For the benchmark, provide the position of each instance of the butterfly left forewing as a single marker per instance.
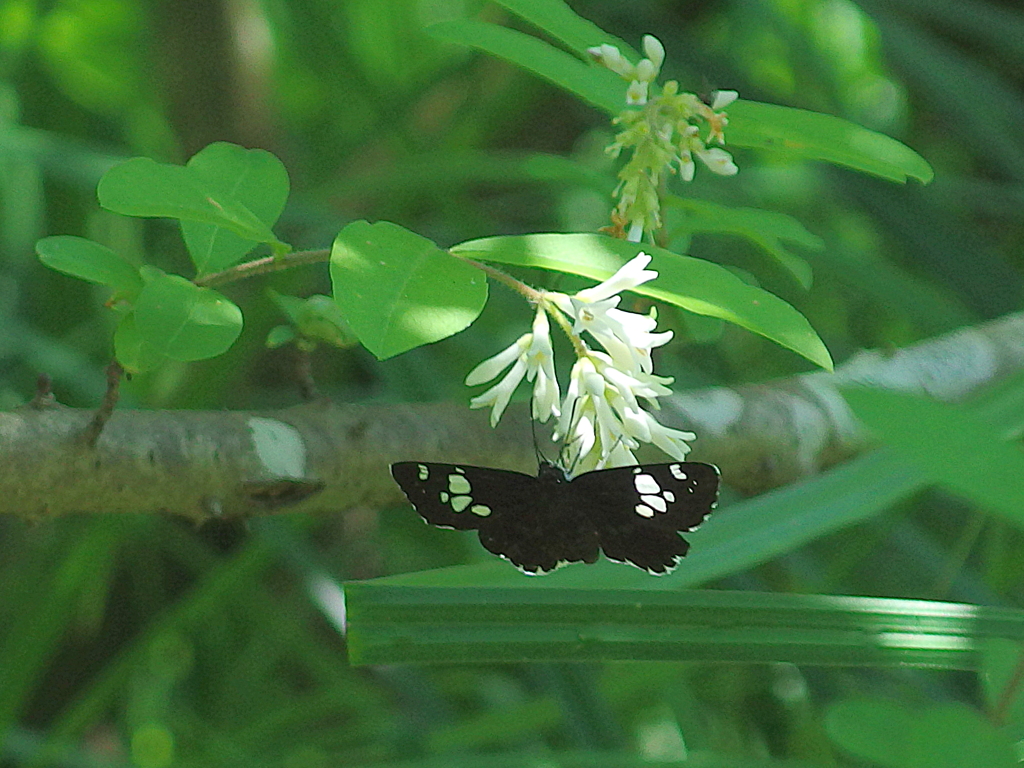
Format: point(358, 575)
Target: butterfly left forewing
point(516, 515)
point(640, 511)
point(456, 496)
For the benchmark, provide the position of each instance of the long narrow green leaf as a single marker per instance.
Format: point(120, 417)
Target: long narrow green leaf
point(560, 21)
point(814, 136)
point(394, 624)
point(951, 445)
point(699, 286)
point(601, 87)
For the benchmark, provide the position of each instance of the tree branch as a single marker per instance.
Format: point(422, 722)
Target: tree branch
point(324, 457)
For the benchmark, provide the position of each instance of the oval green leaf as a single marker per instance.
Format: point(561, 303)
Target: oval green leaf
point(253, 177)
point(398, 290)
point(90, 261)
point(186, 322)
point(800, 133)
point(693, 284)
point(144, 187)
point(133, 352)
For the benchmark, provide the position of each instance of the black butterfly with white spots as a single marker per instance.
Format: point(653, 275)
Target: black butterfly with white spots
point(633, 514)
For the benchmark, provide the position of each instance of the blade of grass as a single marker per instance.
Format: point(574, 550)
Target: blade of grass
point(394, 624)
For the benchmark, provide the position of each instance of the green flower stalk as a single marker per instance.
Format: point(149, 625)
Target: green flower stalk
point(661, 129)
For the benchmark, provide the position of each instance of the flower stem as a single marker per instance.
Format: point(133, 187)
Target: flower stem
point(530, 294)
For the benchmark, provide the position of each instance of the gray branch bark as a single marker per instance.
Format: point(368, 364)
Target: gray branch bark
point(331, 457)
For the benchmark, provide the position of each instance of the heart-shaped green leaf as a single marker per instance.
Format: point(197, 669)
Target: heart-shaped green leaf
point(253, 177)
point(144, 187)
point(398, 290)
point(186, 322)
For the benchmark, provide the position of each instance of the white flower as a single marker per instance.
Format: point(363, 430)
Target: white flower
point(499, 395)
point(602, 422)
point(626, 336)
point(629, 275)
point(530, 356)
point(654, 50)
point(718, 161)
point(723, 99)
point(540, 363)
point(609, 56)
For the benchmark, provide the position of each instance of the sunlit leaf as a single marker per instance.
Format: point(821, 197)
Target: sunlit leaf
point(398, 290)
point(694, 284)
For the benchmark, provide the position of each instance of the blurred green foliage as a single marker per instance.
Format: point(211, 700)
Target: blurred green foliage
point(140, 641)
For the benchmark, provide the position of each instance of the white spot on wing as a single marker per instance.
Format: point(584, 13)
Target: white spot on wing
point(422, 471)
point(458, 484)
point(459, 503)
point(643, 510)
point(669, 496)
point(677, 471)
point(480, 509)
point(646, 484)
point(655, 501)
point(279, 446)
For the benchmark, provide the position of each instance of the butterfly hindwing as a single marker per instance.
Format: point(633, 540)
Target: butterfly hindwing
point(640, 511)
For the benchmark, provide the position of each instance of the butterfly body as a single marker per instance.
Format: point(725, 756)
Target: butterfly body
point(633, 514)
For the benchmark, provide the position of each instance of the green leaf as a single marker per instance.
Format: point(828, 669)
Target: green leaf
point(950, 444)
point(765, 228)
point(597, 85)
point(799, 133)
point(398, 290)
point(562, 23)
point(253, 177)
point(947, 735)
point(952, 735)
point(90, 261)
point(787, 131)
point(316, 318)
point(390, 622)
point(1000, 678)
point(185, 322)
point(873, 729)
point(693, 284)
point(132, 350)
point(144, 187)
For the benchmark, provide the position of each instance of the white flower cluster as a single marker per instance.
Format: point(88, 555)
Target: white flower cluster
point(660, 135)
point(600, 418)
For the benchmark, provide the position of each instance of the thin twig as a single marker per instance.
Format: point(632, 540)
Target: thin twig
point(44, 393)
point(106, 409)
point(264, 266)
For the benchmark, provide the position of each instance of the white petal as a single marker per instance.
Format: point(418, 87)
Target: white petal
point(499, 395)
point(723, 99)
point(718, 161)
point(646, 71)
point(492, 366)
point(654, 50)
point(629, 275)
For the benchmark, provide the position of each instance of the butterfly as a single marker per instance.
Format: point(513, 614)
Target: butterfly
point(633, 514)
